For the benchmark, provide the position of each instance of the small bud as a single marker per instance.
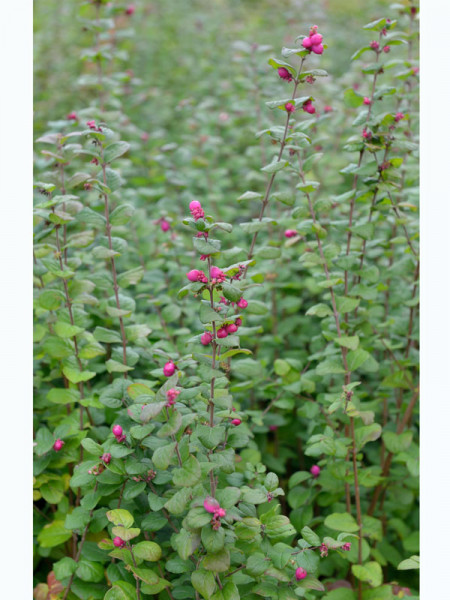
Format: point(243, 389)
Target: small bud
point(300, 573)
point(118, 542)
point(106, 458)
point(206, 338)
point(169, 369)
point(327, 109)
point(290, 233)
point(196, 210)
point(238, 322)
point(386, 49)
point(242, 303)
point(346, 546)
point(290, 107)
point(273, 427)
point(399, 116)
point(367, 100)
point(221, 512)
point(374, 45)
point(72, 116)
point(57, 446)
point(323, 550)
point(172, 394)
point(236, 422)
point(217, 274)
point(308, 107)
point(315, 471)
point(130, 10)
point(117, 430)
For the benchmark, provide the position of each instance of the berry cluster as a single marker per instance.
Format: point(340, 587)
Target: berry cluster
point(171, 396)
point(313, 43)
point(212, 506)
point(196, 210)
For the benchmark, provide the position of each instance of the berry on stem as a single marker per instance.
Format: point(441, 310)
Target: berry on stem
point(315, 471)
point(300, 573)
point(119, 542)
point(169, 368)
point(57, 446)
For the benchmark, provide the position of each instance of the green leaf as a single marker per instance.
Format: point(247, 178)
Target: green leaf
point(53, 534)
point(342, 522)
point(64, 567)
point(352, 99)
point(51, 299)
point(75, 376)
point(120, 516)
point(122, 214)
point(250, 196)
point(115, 150)
point(218, 562)
point(92, 447)
point(346, 304)
point(311, 537)
point(126, 534)
point(319, 310)
point(90, 571)
point(413, 562)
point(147, 551)
point(275, 166)
point(204, 583)
point(189, 474)
point(370, 572)
point(44, 441)
point(66, 330)
point(121, 590)
point(162, 456)
point(356, 358)
point(395, 442)
point(131, 277)
point(350, 342)
point(172, 426)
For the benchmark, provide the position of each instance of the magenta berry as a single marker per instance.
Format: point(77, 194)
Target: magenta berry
point(316, 39)
point(217, 275)
point(327, 109)
point(399, 116)
point(118, 542)
point(290, 107)
point(196, 210)
point(221, 512)
point(232, 328)
point(172, 394)
point(211, 505)
point(290, 233)
point(315, 471)
point(117, 430)
point(374, 45)
point(106, 458)
point(222, 332)
point(386, 49)
point(72, 116)
point(57, 446)
point(284, 74)
point(238, 322)
point(165, 225)
point(130, 10)
point(193, 275)
point(169, 369)
point(318, 49)
point(236, 422)
point(367, 100)
point(323, 550)
point(300, 573)
point(308, 107)
point(307, 43)
point(242, 303)
point(206, 338)
point(273, 427)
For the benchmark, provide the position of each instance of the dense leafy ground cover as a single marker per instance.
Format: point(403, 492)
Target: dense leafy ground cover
point(226, 271)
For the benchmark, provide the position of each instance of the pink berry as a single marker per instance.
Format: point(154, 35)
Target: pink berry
point(236, 422)
point(57, 446)
point(242, 303)
point(399, 116)
point(374, 45)
point(315, 471)
point(72, 116)
point(327, 109)
point(222, 332)
point(290, 108)
point(367, 100)
point(217, 274)
point(193, 275)
point(386, 49)
point(232, 328)
point(273, 427)
point(91, 124)
point(206, 338)
point(316, 39)
point(106, 458)
point(211, 505)
point(308, 107)
point(347, 546)
point(284, 74)
point(317, 49)
point(290, 233)
point(130, 10)
point(117, 430)
point(194, 205)
point(221, 512)
point(165, 225)
point(169, 369)
point(300, 573)
point(238, 322)
point(307, 43)
point(118, 542)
